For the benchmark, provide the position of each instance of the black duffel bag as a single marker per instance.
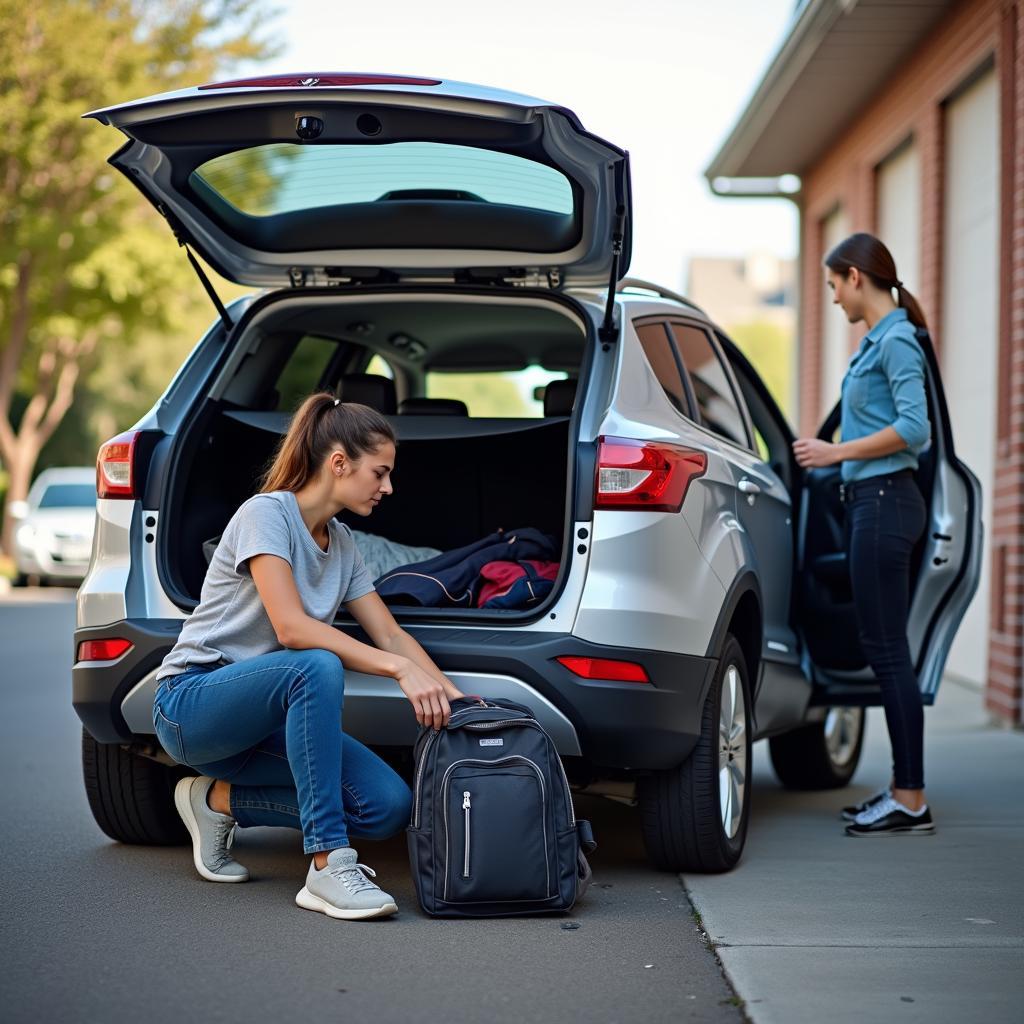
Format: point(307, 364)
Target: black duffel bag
point(493, 832)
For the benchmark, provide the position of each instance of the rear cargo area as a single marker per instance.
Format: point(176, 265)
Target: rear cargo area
point(458, 476)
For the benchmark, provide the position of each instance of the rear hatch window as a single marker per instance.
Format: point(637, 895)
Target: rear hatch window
point(283, 178)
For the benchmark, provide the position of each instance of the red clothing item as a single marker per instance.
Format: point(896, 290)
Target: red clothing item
point(499, 578)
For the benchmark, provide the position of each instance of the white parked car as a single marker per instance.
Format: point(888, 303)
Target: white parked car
point(53, 539)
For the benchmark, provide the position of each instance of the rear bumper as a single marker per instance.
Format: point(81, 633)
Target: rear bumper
point(611, 725)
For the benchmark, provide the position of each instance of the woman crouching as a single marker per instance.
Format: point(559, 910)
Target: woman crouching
point(251, 695)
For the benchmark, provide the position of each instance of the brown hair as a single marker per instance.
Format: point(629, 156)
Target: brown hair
point(872, 258)
point(320, 424)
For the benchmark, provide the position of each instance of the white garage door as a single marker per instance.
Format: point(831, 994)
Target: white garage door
point(835, 329)
point(899, 212)
point(969, 342)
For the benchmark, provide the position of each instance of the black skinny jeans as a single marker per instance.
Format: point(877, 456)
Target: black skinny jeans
point(885, 517)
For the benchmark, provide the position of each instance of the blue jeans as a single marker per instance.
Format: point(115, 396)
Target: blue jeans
point(885, 517)
point(271, 726)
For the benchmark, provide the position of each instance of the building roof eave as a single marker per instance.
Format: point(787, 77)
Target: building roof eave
point(836, 56)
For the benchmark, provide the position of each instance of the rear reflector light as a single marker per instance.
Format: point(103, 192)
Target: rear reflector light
point(648, 476)
point(102, 650)
point(606, 668)
point(315, 78)
point(115, 467)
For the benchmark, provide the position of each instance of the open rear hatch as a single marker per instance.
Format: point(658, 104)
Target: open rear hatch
point(315, 179)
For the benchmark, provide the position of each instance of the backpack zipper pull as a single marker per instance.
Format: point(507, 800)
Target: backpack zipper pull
point(465, 849)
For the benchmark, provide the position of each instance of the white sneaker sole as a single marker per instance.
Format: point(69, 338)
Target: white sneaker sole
point(183, 803)
point(308, 901)
point(905, 830)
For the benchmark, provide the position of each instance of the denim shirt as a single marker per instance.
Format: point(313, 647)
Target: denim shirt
point(884, 387)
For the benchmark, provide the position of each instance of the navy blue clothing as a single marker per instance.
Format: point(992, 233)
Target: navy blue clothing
point(451, 580)
point(885, 518)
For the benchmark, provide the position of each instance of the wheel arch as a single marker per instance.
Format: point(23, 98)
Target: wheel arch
point(741, 616)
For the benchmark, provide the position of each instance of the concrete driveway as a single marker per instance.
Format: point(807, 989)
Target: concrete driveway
point(815, 926)
point(91, 930)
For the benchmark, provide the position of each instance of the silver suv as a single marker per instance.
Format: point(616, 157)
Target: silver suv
point(408, 233)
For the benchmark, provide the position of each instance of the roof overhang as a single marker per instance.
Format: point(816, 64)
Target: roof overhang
point(837, 55)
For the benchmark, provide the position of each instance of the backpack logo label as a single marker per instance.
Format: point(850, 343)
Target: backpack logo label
point(492, 743)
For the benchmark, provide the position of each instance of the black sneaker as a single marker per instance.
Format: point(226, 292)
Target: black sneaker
point(850, 813)
point(891, 818)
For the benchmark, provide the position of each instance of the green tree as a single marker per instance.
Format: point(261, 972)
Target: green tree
point(771, 350)
point(87, 268)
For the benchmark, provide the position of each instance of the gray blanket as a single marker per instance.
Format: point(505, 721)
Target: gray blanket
point(380, 554)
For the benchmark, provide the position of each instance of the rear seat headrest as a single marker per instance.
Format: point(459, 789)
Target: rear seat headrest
point(559, 397)
point(433, 407)
point(368, 389)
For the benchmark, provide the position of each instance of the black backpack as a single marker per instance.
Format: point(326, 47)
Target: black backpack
point(493, 832)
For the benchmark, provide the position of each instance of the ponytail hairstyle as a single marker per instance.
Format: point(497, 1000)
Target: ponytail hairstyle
point(872, 258)
point(319, 425)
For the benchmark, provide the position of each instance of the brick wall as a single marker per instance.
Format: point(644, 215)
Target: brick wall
point(911, 103)
point(1005, 691)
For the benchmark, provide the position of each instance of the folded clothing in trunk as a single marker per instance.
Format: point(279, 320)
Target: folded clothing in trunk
point(381, 555)
point(516, 584)
point(452, 579)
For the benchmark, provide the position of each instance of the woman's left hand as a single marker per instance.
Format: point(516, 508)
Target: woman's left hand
point(813, 453)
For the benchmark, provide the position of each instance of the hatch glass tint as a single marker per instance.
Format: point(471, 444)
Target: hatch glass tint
point(284, 178)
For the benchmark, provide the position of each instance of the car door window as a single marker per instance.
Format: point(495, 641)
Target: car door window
point(657, 347)
point(716, 400)
point(304, 371)
point(773, 438)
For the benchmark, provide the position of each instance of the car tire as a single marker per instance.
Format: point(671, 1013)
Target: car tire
point(820, 755)
point(689, 814)
point(131, 797)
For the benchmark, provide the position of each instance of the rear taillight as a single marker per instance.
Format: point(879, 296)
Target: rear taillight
point(648, 476)
point(103, 650)
point(605, 668)
point(115, 467)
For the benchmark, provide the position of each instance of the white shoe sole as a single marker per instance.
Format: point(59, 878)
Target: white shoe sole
point(308, 901)
point(907, 830)
point(183, 803)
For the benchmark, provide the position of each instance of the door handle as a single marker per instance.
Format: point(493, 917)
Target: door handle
point(747, 486)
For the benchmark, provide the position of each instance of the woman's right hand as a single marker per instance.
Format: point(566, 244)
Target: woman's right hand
point(425, 694)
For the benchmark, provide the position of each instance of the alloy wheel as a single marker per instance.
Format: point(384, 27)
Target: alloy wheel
point(843, 727)
point(732, 752)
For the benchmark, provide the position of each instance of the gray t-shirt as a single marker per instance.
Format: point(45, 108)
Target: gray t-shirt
point(231, 621)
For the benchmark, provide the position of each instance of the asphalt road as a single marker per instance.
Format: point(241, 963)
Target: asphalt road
point(91, 930)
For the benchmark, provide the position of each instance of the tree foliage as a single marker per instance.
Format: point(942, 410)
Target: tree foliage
point(771, 350)
point(90, 278)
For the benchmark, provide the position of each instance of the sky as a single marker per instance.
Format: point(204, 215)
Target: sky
point(665, 79)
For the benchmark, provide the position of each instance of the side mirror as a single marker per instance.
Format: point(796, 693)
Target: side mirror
point(538, 392)
point(17, 509)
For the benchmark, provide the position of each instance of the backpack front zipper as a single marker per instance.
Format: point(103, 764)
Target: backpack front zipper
point(465, 859)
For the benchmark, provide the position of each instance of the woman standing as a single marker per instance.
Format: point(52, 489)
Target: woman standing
point(251, 694)
point(884, 425)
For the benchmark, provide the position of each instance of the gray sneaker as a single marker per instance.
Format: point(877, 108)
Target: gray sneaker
point(343, 890)
point(212, 833)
